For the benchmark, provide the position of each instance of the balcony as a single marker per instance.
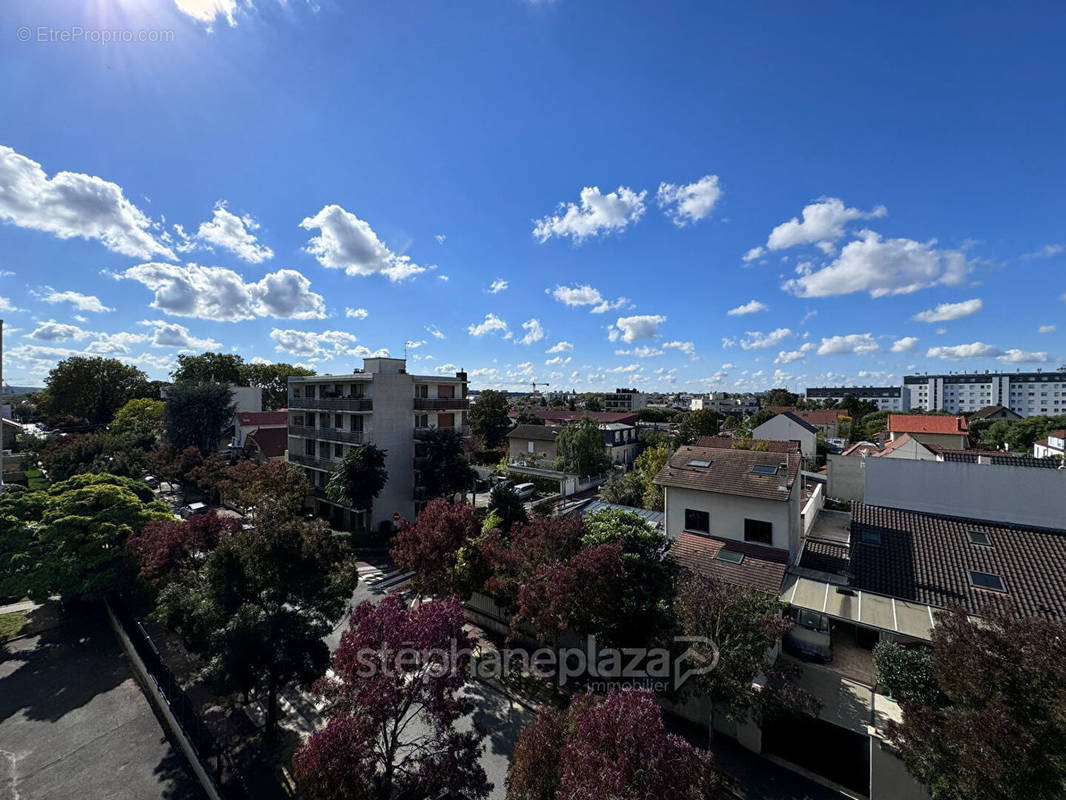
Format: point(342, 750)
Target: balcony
point(462, 430)
point(333, 403)
point(327, 434)
point(314, 462)
point(441, 404)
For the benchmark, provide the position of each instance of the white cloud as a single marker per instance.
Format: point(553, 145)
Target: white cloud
point(7, 305)
point(585, 295)
point(497, 286)
point(690, 202)
point(904, 344)
point(434, 331)
point(756, 340)
point(1047, 251)
point(858, 343)
point(53, 331)
point(945, 312)
point(115, 344)
point(347, 242)
point(596, 214)
point(1046, 329)
point(752, 307)
point(882, 267)
point(324, 344)
point(534, 331)
point(1016, 356)
point(754, 253)
point(557, 360)
point(356, 313)
point(207, 11)
point(560, 347)
point(491, 324)
point(959, 352)
point(641, 352)
point(415, 345)
point(641, 326)
point(82, 302)
point(225, 229)
point(823, 221)
point(441, 238)
point(788, 356)
point(688, 348)
point(170, 334)
point(627, 369)
point(72, 204)
point(221, 294)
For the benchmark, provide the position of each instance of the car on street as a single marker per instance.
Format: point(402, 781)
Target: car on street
point(525, 491)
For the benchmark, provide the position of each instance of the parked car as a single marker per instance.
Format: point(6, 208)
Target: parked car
point(151, 481)
point(525, 491)
point(809, 637)
point(192, 509)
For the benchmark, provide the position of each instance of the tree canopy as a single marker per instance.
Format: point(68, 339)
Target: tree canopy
point(360, 477)
point(434, 546)
point(273, 380)
point(441, 462)
point(694, 424)
point(209, 368)
point(197, 415)
point(84, 390)
point(488, 418)
point(140, 419)
point(581, 449)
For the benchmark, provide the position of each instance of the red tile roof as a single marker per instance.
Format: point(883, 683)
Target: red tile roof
point(271, 442)
point(921, 423)
point(728, 442)
point(898, 443)
point(263, 419)
point(763, 568)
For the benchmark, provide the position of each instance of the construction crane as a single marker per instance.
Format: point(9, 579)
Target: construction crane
point(535, 385)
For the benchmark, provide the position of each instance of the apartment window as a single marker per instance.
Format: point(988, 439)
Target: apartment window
point(697, 521)
point(338, 421)
point(529, 445)
point(338, 451)
point(445, 420)
point(309, 447)
point(309, 391)
point(446, 391)
point(355, 422)
point(756, 530)
point(421, 390)
point(421, 420)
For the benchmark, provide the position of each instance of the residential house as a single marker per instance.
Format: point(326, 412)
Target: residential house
point(248, 422)
point(534, 445)
point(625, 400)
point(557, 416)
point(992, 412)
point(381, 404)
point(731, 443)
point(1053, 446)
point(790, 426)
point(825, 420)
point(267, 444)
point(948, 432)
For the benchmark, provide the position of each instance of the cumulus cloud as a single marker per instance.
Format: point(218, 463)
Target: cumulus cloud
point(788, 356)
point(752, 307)
point(1047, 251)
point(642, 351)
point(349, 243)
point(688, 348)
point(72, 204)
point(594, 215)
point(534, 331)
point(641, 326)
point(497, 286)
point(356, 313)
point(949, 311)
point(560, 347)
point(82, 302)
point(551, 362)
point(434, 331)
point(858, 343)
point(491, 324)
point(959, 352)
point(221, 294)
point(585, 295)
point(53, 331)
point(882, 267)
point(756, 340)
point(1046, 329)
point(324, 344)
point(115, 344)
point(904, 344)
point(1016, 356)
point(7, 305)
point(207, 11)
point(225, 229)
point(689, 202)
point(170, 334)
point(823, 221)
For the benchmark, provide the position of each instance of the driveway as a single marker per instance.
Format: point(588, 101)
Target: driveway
point(75, 724)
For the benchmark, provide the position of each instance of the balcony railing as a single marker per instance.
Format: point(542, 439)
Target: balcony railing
point(327, 434)
point(314, 461)
point(333, 403)
point(441, 404)
point(463, 430)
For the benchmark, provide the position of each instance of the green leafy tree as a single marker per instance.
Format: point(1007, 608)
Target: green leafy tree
point(268, 488)
point(441, 462)
point(83, 390)
point(65, 456)
point(141, 420)
point(197, 415)
point(273, 380)
point(648, 465)
point(594, 402)
point(210, 368)
point(781, 397)
point(488, 418)
point(505, 509)
point(581, 449)
point(624, 490)
point(907, 673)
point(258, 608)
point(705, 422)
point(527, 417)
point(360, 478)
point(759, 417)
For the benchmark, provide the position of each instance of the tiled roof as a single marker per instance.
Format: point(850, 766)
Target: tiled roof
point(537, 432)
point(897, 443)
point(928, 558)
point(763, 568)
point(922, 423)
point(817, 416)
point(727, 442)
point(998, 457)
point(857, 449)
point(729, 472)
point(825, 556)
point(263, 419)
point(988, 411)
point(271, 441)
point(557, 416)
point(799, 420)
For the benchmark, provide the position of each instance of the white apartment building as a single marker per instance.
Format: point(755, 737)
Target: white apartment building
point(380, 404)
point(1026, 393)
point(725, 403)
point(886, 398)
point(625, 400)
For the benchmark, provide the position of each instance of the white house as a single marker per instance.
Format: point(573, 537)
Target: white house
point(790, 427)
point(1053, 445)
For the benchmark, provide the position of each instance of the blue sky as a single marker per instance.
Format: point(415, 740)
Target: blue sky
point(681, 196)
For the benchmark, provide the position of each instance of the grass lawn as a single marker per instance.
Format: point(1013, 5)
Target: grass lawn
point(11, 624)
point(35, 480)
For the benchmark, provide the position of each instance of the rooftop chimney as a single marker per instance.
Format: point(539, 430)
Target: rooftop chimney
point(782, 476)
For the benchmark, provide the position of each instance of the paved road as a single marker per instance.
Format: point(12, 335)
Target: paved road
point(75, 724)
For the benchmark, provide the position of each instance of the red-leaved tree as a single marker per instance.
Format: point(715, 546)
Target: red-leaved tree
point(614, 747)
point(392, 708)
point(437, 546)
point(164, 547)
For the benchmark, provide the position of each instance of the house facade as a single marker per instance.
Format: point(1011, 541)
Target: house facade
point(790, 427)
point(951, 433)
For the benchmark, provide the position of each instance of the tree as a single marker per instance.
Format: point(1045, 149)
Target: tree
point(998, 729)
point(166, 547)
point(175, 466)
point(391, 729)
point(488, 418)
point(593, 403)
point(624, 490)
point(527, 417)
point(433, 547)
point(197, 415)
point(614, 747)
point(360, 478)
point(258, 608)
point(70, 540)
point(907, 673)
point(273, 380)
point(273, 487)
point(648, 465)
point(759, 417)
point(73, 454)
point(581, 449)
point(222, 368)
point(441, 462)
point(140, 420)
point(744, 625)
point(505, 506)
point(695, 424)
point(88, 391)
point(781, 397)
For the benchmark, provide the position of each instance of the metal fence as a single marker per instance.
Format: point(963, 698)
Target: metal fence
point(227, 778)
